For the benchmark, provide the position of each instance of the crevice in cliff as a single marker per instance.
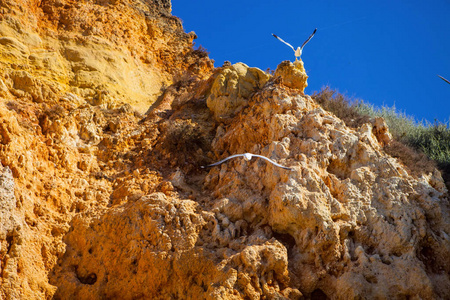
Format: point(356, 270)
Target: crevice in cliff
point(287, 240)
point(318, 294)
point(88, 279)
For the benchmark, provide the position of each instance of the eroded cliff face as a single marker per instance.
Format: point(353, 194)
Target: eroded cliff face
point(99, 201)
point(107, 52)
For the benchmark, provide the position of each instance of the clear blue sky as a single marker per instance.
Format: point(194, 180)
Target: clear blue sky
point(383, 52)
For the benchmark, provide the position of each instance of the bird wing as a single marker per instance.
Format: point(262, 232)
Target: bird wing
point(310, 37)
point(444, 79)
point(222, 161)
point(271, 161)
point(281, 40)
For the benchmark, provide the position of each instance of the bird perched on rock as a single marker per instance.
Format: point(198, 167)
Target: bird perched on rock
point(247, 157)
point(299, 50)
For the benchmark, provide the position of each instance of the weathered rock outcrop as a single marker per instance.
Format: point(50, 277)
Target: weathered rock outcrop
point(353, 217)
point(293, 74)
point(232, 88)
point(11, 234)
point(99, 201)
point(347, 222)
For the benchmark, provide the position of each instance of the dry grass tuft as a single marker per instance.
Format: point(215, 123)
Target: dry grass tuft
point(416, 161)
point(341, 106)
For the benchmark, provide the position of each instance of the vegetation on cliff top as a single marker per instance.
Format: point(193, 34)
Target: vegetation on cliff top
point(420, 145)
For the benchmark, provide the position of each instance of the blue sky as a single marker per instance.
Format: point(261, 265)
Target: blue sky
point(383, 52)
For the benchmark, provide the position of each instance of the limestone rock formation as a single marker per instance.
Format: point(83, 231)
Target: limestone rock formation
point(232, 88)
point(11, 234)
point(293, 74)
point(351, 216)
point(101, 201)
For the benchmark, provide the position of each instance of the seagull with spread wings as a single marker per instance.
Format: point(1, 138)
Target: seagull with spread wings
point(247, 157)
point(299, 50)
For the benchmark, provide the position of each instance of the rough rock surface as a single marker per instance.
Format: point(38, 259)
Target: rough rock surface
point(293, 74)
point(98, 201)
point(232, 88)
point(107, 52)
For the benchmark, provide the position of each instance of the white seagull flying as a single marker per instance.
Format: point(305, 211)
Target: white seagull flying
point(299, 50)
point(444, 79)
point(247, 157)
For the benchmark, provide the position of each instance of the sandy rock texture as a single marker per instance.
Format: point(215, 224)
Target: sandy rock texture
point(293, 74)
point(232, 88)
point(101, 201)
point(351, 217)
point(107, 52)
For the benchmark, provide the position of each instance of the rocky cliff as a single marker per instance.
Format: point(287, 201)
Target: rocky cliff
point(106, 115)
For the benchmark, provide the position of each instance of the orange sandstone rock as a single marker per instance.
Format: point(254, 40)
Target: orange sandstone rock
point(98, 200)
point(232, 88)
point(293, 74)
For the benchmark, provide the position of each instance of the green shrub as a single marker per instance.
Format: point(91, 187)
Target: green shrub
point(400, 125)
point(431, 139)
point(434, 140)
